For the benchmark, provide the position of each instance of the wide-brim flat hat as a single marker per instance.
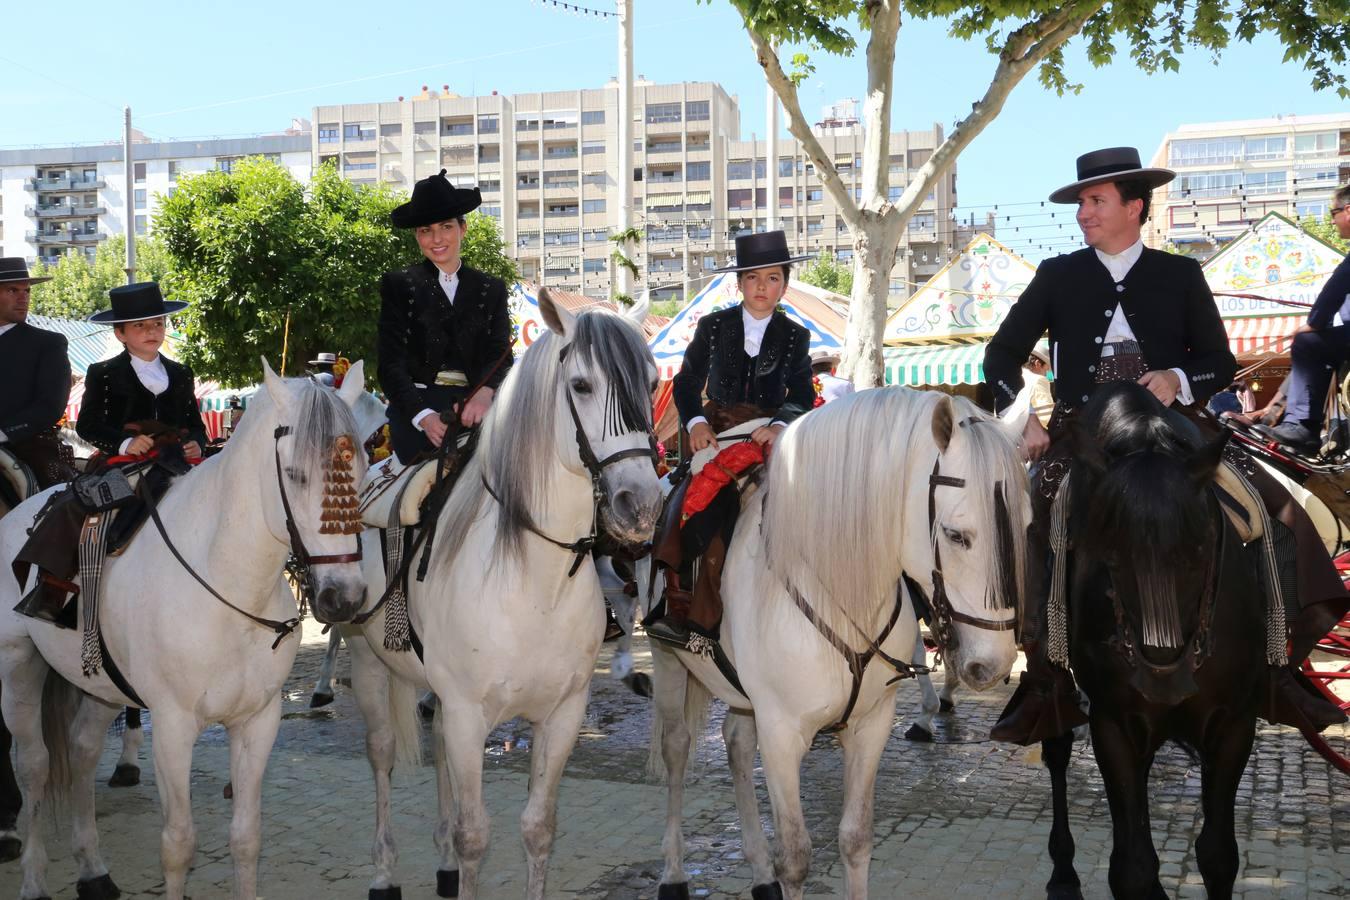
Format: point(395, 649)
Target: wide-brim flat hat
point(1041, 352)
point(14, 268)
point(823, 355)
point(1111, 164)
point(757, 251)
point(325, 359)
point(434, 199)
point(135, 302)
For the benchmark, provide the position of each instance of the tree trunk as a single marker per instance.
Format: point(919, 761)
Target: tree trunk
point(874, 247)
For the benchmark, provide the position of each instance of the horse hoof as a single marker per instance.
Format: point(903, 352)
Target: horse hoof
point(100, 888)
point(125, 775)
point(770, 891)
point(640, 683)
point(945, 705)
point(921, 735)
point(389, 893)
point(673, 891)
point(447, 882)
point(316, 700)
point(11, 848)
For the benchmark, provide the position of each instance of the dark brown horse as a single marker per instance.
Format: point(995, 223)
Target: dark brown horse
point(1166, 633)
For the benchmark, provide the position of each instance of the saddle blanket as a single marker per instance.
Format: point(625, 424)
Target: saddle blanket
point(392, 492)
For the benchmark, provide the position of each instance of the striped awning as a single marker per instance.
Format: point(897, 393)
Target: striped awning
point(930, 364)
point(1262, 335)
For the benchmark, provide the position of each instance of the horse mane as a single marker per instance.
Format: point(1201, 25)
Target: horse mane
point(320, 417)
point(516, 452)
point(833, 522)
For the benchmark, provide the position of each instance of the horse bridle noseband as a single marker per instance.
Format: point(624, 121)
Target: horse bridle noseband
point(285, 627)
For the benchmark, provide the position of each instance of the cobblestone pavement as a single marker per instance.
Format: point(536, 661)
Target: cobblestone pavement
point(960, 818)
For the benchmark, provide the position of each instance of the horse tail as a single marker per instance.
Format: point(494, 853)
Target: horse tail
point(405, 723)
point(60, 701)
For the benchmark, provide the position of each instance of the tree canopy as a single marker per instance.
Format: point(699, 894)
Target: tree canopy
point(1022, 36)
point(826, 272)
point(267, 261)
point(80, 287)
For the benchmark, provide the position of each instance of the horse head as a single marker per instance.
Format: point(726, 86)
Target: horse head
point(603, 417)
point(1143, 519)
point(313, 460)
point(978, 511)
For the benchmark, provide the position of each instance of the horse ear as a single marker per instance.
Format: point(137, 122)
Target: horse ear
point(273, 382)
point(637, 313)
point(943, 423)
point(353, 383)
point(1204, 463)
point(558, 319)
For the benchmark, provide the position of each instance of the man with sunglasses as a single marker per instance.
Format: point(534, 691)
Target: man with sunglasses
point(1319, 348)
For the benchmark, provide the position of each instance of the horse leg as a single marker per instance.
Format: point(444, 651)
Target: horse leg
point(1063, 883)
point(862, 742)
point(175, 733)
point(553, 742)
point(86, 745)
point(464, 755)
point(951, 680)
point(323, 688)
point(447, 874)
point(781, 749)
point(929, 704)
point(1124, 767)
point(11, 799)
point(738, 730)
point(671, 738)
point(21, 708)
point(128, 770)
point(1221, 768)
point(370, 684)
point(250, 745)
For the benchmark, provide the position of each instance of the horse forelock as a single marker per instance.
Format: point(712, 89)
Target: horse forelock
point(320, 418)
point(609, 343)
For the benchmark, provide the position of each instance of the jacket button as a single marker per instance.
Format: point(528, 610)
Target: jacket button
point(1091, 369)
point(1110, 313)
point(1119, 288)
point(1085, 398)
point(1098, 340)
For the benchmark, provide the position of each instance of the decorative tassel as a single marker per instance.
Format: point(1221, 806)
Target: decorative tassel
point(1056, 610)
point(397, 626)
point(91, 558)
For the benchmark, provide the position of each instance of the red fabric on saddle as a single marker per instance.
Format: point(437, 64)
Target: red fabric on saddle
point(720, 471)
point(123, 459)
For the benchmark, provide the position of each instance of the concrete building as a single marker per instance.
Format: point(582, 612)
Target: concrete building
point(56, 200)
point(1230, 174)
point(547, 164)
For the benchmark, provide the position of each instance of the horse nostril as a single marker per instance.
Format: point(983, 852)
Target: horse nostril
point(625, 504)
point(325, 602)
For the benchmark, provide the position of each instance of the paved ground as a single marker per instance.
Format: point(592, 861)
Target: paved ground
point(963, 818)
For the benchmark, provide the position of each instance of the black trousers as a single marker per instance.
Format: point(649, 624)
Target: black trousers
point(409, 442)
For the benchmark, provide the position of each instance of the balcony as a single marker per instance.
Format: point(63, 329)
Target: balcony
point(63, 211)
point(46, 185)
point(49, 237)
point(89, 238)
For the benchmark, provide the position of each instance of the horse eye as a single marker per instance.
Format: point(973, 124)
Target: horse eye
point(297, 476)
point(581, 386)
point(961, 539)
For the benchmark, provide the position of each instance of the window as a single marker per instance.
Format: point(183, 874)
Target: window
point(844, 254)
point(139, 196)
point(593, 117)
point(1191, 185)
point(918, 157)
point(140, 225)
point(739, 198)
point(595, 236)
point(593, 266)
point(328, 134)
point(595, 178)
point(489, 125)
point(815, 226)
point(761, 197)
point(1312, 179)
point(527, 121)
point(699, 232)
point(696, 142)
point(492, 209)
point(671, 145)
point(563, 178)
point(739, 170)
point(1204, 151)
point(560, 151)
point(637, 174)
point(589, 147)
point(490, 153)
point(528, 241)
point(1323, 144)
point(561, 210)
point(922, 222)
point(1266, 182)
point(1312, 209)
point(527, 181)
point(553, 121)
point(559, 238)
point(358, 162)
point(664, 176)
point(815, 195)
point(391, 130)
point(490, 185)
point(451, 128)
point(785, 198)
point(592, 206)
point(709, 262)
point(894, 191)
point(1259, 148)
point(358, 131)
point(226, 164)
point(139, 170)
point(173, 170)
point(425, 128)
point(526, 152)
point(784, 167)
point(662, 112)
point(760, 170)
point(696, 111)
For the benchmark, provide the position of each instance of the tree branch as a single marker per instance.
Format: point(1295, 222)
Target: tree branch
point(884, 16)
point(787, 94)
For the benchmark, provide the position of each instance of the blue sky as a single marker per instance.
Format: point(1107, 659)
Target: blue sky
point(192, 69)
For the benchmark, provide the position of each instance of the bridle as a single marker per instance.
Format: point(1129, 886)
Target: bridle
point(284, 627)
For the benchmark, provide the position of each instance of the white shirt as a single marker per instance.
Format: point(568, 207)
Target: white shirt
point(3, 328)
point(754, 336)
point(1118, 265)
point(450, 284)
point(153, 376)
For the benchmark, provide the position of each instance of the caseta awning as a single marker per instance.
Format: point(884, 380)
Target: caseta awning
point(929, 364)
point(1262, 335)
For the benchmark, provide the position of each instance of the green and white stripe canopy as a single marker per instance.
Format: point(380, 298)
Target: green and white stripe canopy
point(934, 364)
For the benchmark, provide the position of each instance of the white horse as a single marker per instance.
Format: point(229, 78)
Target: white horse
point(510, 614)
point(867, 499)
point(191, 658)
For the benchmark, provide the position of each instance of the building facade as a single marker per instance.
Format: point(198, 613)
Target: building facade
point(1230, 174)
point(547, 164)
point(61, 200)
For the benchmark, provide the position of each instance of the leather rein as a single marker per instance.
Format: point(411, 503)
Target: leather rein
point(285, 627)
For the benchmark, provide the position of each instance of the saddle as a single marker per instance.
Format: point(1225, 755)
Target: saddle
point(394, 494)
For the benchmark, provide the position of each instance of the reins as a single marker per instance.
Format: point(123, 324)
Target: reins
point(282, 628)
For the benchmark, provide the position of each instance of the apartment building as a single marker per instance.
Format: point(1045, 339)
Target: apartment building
point(1230, 174)
point(547, 164)
point(58, 200)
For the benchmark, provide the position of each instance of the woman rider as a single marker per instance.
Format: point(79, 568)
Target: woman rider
point(751, 362)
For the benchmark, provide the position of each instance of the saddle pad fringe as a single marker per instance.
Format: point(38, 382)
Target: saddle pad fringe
point(1277, 631)
point(93, 542)
point(1056, 610)
point(397, 627)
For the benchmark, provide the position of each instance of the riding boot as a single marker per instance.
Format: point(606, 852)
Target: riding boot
point(1288, 698)
point(673, 627)
point(1045, 704)
point(48, 601)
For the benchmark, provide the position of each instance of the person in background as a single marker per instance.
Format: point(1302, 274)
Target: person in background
point(1227, 400)
point(1037, 369)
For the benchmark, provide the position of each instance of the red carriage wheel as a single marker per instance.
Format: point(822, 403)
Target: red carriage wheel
point(1328, 668)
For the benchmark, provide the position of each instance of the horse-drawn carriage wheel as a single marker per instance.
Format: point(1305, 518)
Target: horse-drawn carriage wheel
point(1328, 668)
